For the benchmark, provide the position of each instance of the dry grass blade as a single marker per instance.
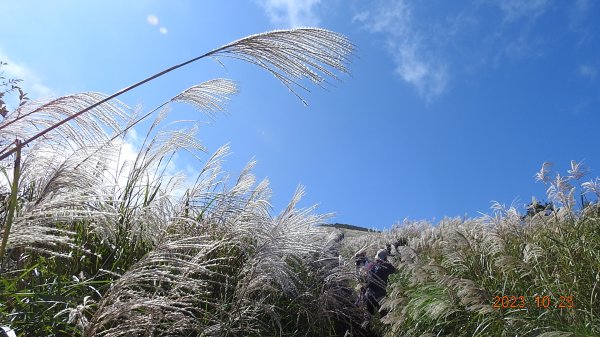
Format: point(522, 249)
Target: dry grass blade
point(578, 170)
point(544, 174)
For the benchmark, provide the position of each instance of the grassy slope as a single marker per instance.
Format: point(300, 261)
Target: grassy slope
point(454, 275)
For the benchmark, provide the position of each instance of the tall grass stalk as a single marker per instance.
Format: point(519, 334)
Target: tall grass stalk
point(12, 202)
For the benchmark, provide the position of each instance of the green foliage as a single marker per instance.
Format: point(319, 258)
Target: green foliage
point(7, 87)
point(536, 207)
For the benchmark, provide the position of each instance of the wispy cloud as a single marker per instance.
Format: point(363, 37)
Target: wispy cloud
point(518, 9)
point(588, 71)
point(434, 45)
point(582, 20)
point(32, 84)
point(579, 11)
point(292, 13)
point(429, 76)
point(408, 44)
point(153, 21)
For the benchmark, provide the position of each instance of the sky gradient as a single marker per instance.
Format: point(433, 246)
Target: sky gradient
point(449, 105)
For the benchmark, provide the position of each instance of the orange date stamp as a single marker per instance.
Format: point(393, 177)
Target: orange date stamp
point(538, 301)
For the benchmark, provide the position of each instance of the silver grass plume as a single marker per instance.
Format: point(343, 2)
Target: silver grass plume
point(592, 187)
point(165, 292)
point(578, 170)
point(34, 116)
point(246, 236)
point(68, 169)
point(290, 55)
point(209, 97)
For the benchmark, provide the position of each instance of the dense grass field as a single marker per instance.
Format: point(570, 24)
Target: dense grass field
point(502, 275)
point(93, 245)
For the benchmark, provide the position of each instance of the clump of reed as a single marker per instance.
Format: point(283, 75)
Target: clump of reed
point(97, 246)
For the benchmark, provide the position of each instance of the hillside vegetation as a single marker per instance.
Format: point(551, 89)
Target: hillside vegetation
point(500, 275)
point(93, 245)
point(347, 227)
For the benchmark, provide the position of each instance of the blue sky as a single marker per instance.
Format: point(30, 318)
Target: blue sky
point(449, 105)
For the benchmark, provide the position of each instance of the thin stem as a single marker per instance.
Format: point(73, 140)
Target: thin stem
point(118, 93)
point(13, 198)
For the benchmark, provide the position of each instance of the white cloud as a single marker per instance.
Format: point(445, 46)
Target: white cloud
point(429, 78)
point(292, 13)
point(588, 71)
point(361, 17)
point(152, 19)
point(393, 17)
point(408, 44)
point(32, 84)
